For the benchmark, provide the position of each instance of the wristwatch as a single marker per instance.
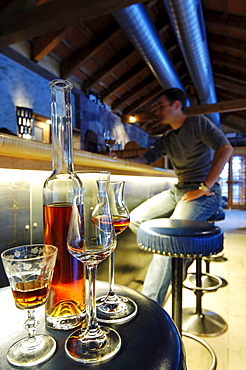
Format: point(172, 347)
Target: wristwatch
point(203, 187)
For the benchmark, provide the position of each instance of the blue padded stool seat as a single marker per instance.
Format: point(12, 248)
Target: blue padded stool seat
point(180, 239)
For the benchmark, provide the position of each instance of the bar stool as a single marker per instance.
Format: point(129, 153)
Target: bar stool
point(180, 239)
point(210, 281)
point(218, 216)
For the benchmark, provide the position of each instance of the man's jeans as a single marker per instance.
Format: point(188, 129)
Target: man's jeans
point(169, 204)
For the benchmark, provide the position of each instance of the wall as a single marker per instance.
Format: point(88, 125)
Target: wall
point(97, 118)
point(22, 87)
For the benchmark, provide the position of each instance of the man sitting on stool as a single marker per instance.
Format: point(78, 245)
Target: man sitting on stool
point(198, 151)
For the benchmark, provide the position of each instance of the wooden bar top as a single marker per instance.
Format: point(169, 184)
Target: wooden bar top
point(26, 154)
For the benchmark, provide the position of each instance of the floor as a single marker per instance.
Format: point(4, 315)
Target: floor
point(229, 301)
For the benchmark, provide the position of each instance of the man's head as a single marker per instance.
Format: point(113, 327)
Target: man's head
point(170, 107)
point(175, 94)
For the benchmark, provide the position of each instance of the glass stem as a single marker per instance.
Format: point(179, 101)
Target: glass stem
point(31, 324)
point(111, 273)
point(91, 307)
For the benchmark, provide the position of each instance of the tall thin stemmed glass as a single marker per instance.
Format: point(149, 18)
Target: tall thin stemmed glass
point(29, 269)
point(91, 239)
point(109, 139)
point(113, 308)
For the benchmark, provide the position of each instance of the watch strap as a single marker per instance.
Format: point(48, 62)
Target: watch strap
point(203, 187)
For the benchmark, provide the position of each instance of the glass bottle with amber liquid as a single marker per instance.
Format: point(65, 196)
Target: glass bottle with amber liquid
point(65, 307)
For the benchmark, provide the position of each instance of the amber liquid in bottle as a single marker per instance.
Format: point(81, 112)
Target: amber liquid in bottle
point(68, 279)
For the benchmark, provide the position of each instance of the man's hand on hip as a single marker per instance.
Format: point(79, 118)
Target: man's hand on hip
point(195, 194)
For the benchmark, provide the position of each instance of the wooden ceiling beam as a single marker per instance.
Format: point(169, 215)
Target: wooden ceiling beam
point(227, 20)
point(42, 45)
point(139, 117)
point(109, 67)
point(225, 42)
point(156, 125)
point(221, 107)
point(125, 78)
point(7, 9)
point(229, 74)
point(82, 55)
point(146, 125)
point(228, 61)
point(139, 103)
point(225, 95)
point(43, 18)
point(231, 86)
point(148, 80)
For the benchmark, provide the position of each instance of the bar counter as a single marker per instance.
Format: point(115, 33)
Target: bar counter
point(21, 153)
point(26, 164)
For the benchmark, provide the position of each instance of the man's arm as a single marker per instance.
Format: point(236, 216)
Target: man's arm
point(138, 159)
point(221, 156)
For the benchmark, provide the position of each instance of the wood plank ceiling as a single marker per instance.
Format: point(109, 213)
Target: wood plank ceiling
point(92, 51)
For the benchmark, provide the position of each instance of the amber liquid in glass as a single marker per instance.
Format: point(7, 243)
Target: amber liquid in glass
point(102, 222)
point(30, 294)
point(66, 299)
point(109, 141)
point(120, 223)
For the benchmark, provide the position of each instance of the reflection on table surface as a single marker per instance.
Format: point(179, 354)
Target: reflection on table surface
point(150, 341)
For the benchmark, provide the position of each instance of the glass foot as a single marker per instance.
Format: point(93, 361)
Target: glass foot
point(31, 352)
point(115, 309)
point(93, 346)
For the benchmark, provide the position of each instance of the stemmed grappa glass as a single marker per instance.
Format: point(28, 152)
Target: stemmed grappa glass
point(109, 139)
point(113, 308)
point(29, 269)
point(91, 239)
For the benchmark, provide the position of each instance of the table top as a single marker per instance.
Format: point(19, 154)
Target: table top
point(150, 341)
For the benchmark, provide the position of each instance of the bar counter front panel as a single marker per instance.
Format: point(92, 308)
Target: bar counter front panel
point(21, 213)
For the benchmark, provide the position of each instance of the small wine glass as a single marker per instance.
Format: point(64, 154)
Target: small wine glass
point(29, 269)
point(91, 239)
point(113, 308)
point(109, 139)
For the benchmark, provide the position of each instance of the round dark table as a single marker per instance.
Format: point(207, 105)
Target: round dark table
point(150, 341)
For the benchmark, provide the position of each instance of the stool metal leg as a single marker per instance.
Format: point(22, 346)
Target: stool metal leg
point(177, 273)
point(177, 277)
point(199, 293)
point(200, 321)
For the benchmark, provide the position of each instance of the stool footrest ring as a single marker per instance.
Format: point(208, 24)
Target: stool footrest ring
point(207, 346)
point(219, 257)
point(191, 279)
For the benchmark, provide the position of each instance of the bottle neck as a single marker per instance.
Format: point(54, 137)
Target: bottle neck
point(61, 114)
point(62, 159)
